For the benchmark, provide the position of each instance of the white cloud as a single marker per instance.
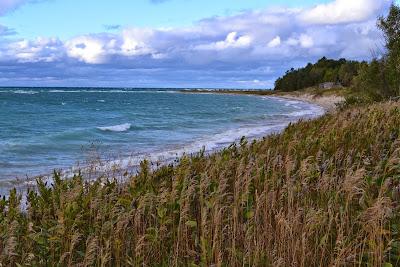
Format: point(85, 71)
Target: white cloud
point(98, 49)
point(306, 41)
point(248, 37)
point(274, 42)
point(303, 40)
point(38, 50)
point(292, 41)
point(88, 49)
point(343, 11)
point(135, 42)
point(232, 40)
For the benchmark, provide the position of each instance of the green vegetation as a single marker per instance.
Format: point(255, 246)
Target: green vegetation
point(322, 193)
point(325, 70)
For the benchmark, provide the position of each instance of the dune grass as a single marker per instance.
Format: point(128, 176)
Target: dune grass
point(322, 193)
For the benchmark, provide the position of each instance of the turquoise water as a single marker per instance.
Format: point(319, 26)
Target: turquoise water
point(42, 129)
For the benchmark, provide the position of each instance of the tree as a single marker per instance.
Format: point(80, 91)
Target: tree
point(380, 79)
point(346, 73)
point(390, 26)
point(371, 81)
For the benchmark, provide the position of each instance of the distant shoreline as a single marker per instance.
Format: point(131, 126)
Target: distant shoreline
point(327, 101)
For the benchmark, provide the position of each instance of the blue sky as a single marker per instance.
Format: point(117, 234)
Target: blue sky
point(67, 18)
point(178, 43)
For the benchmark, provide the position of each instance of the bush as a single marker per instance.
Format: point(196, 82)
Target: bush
point(353, 100)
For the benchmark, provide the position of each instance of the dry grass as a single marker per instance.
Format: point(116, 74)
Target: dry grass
point(322, 193)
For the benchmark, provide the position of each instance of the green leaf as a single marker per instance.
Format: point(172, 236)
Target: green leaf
point(324, 239)
point(161, 212)
point(249, 214)
point(387, 264)
point(192, 224)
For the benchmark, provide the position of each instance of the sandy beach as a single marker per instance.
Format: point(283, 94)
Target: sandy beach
point(329, 103)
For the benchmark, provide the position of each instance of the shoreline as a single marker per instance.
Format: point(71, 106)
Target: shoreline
point(326, 101)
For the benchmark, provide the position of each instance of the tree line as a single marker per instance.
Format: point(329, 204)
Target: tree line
point(339, 71)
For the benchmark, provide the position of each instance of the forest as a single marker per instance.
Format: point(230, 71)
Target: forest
point(341, 72)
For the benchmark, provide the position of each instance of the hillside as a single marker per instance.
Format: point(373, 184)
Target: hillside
point(322, 193)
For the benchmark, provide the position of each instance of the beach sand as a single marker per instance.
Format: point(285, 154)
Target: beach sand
point(326, 102)
point(325, 99)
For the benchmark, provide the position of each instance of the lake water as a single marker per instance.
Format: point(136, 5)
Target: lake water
point(42, 129)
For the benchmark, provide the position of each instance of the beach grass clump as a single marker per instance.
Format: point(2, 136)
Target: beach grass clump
point(324, 192)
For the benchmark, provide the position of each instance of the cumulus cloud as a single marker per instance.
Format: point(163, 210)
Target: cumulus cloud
point(136, 42)
point(89, 49)
point(232, 40)
point(246, 50)
point(103, 48)
point(306, 41)
point(344, 11)
point(38, 50)
point(274, 42)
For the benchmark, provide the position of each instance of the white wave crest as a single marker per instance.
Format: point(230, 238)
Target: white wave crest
point(26, 92)
point(116, 128)
point(312, 112)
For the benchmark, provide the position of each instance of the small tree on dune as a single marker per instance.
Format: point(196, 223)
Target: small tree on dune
point(380, 79)
point(390, 27)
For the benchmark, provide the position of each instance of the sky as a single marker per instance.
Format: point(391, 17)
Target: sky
point(178, 43)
